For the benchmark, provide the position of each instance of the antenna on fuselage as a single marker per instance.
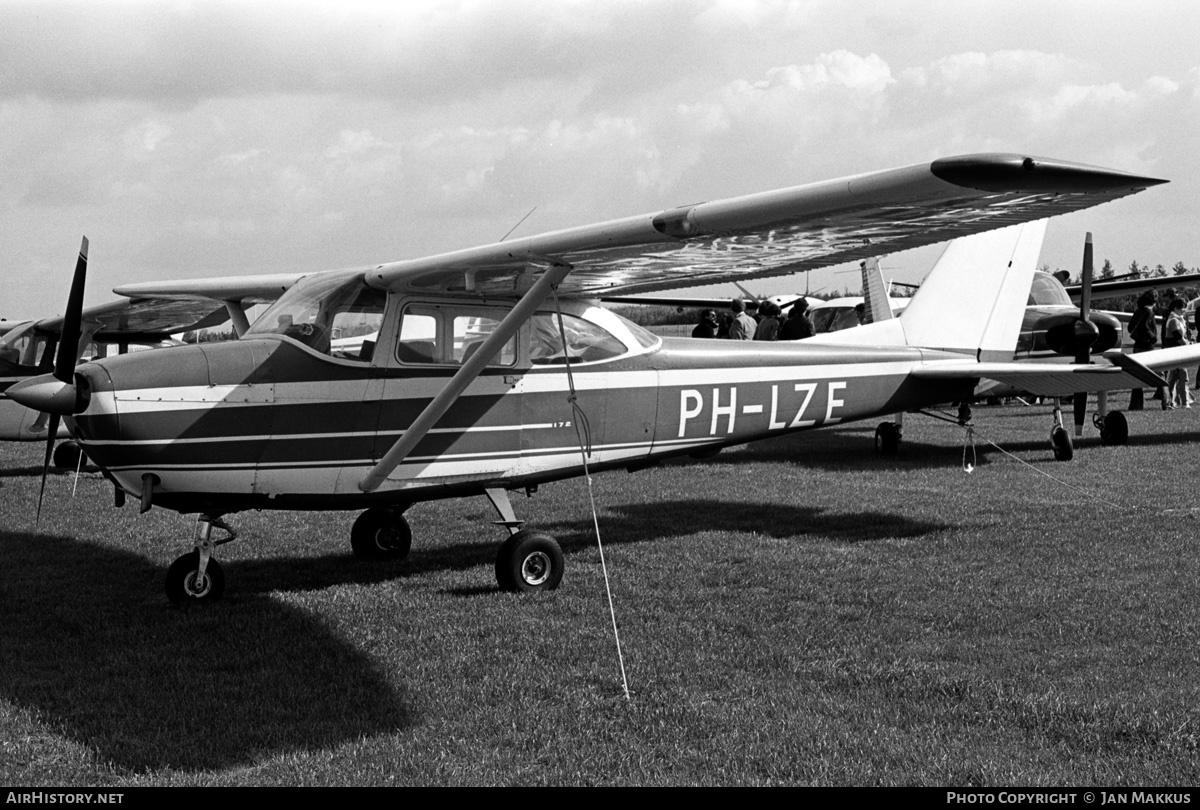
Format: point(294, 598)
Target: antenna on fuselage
point(518, 225)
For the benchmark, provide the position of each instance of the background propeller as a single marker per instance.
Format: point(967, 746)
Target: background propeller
point(65, 359)
point(1086, 332)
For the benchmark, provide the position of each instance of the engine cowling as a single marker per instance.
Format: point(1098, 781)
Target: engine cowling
point(1068, 334)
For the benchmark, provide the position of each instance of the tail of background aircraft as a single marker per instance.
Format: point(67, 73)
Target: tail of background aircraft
point(972, 301)
point(876, 301)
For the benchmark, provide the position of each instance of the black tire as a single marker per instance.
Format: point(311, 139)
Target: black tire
point(182, 585)
point(529, 561)
point(67, 455)
point(1115, 430)
point(887, 439)
point(1060, 440)
point(381, 534)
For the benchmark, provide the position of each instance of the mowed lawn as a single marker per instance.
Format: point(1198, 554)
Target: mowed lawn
point(791, 612)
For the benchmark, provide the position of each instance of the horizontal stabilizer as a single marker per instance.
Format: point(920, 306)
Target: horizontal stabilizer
point(1131, 366)
point(1046, 379)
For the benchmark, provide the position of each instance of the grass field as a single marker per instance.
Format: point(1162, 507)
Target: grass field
point(793, 612)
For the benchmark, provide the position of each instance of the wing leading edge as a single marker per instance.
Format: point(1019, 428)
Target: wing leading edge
point(776, 232)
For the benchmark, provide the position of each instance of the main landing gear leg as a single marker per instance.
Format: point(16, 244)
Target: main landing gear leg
point(1113, 427)
point(197, 576)
point(528, 560)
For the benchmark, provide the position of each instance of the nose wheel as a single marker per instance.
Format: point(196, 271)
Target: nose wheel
point(186, 582)
point(1060, 439)
point(68, 455)
point(196, 576)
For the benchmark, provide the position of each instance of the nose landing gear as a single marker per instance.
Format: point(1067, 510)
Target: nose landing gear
point(196, 576)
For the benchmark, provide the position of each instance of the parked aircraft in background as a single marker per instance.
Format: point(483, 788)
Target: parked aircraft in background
point(1053, 329)
point(26, 351)
point(493, 369)
point(29, 348)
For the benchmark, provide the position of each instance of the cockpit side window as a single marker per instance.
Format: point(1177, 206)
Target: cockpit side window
point(585, 341)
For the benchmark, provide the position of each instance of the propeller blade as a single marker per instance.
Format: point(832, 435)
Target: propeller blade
point(68, 343)
point(1086, 332)
point(1085, 296)
point(1084, 328)
point(57, 392)
point(46, 467)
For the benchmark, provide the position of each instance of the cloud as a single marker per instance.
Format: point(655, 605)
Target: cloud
point(229, 136)
point(840, 69)
point(179, 54)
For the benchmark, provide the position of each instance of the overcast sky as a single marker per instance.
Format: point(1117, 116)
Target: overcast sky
point(194, 139)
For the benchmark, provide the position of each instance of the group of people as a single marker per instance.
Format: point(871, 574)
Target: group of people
point(739, 325)
point(1145, 332)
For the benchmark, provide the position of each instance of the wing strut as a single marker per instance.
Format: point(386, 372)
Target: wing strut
point(237, 314)
point(488, 350)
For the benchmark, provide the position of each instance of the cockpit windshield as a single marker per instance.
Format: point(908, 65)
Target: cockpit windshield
point(23, 348)
point(335, 314)
point(1048, 291)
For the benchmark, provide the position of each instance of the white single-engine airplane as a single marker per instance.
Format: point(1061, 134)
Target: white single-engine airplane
point(493, 369)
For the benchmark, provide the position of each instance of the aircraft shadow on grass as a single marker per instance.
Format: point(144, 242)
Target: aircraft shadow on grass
point(88, 470)
point(91, 654)
point(853, 447)
point(844, 448)
point(620, 525)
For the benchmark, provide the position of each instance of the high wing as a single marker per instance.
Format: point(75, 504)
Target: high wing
point(774, 233)
point(158, 309)
point(211, 301)
point(142, 320)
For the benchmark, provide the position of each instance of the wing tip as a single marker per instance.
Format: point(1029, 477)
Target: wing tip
point(1014, 172)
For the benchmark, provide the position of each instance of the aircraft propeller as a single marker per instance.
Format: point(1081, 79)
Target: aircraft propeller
point(55, 394)
point(1086, 332)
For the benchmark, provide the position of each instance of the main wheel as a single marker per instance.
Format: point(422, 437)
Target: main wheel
point(1115, 429)
point(67, 455)
point(1060, 440)
point(887, 439)
point(381, 534)
point(529, 561)
point(185, 585)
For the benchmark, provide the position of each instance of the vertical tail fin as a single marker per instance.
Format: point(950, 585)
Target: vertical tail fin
point(877, 303)
point(974, 299)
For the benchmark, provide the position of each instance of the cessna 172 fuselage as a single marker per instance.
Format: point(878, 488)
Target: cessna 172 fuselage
point(267, 422)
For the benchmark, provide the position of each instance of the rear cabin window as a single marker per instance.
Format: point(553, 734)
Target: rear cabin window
point(449, 335)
